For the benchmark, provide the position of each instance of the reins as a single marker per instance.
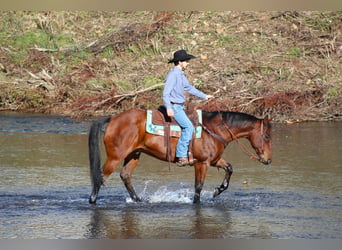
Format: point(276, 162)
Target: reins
point(243, 147)
point(216, 136)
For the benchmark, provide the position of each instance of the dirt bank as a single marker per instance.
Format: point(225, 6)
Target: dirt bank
point(286, 65)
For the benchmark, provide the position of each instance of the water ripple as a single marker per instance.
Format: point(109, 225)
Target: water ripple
point(42, 124)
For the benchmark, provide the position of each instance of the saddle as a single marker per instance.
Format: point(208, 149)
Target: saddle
point(159, 123)
point(158, 120)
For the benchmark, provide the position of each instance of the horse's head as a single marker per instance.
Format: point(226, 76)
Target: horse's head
point(261, 140)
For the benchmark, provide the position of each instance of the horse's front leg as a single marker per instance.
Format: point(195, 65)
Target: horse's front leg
point(201, 169)
point(228, 168)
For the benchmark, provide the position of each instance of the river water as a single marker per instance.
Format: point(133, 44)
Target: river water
point(45, 185)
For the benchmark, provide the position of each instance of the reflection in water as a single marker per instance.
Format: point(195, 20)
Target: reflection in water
point(210, 223)
point(137, 222)
point(113, 226)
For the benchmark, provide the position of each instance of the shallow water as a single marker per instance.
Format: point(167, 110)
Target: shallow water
point(45, 184)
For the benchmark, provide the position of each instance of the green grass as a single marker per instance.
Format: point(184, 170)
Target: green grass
point(151, 80)
point(63, 39)
point(25, 42)
point(331, 93)
point(295, 52)
point(108, 53)
point(124, 85)
point(224, 40)
point(31, 39)
point(322, 21)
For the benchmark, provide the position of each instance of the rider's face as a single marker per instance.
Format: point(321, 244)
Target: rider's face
point(184, 64)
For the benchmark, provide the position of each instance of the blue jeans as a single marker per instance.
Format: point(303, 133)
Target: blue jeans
point(187, 130)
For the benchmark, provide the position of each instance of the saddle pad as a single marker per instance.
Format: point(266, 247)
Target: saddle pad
point(175, 129)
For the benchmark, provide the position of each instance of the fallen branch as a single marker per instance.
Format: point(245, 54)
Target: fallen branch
point(121, 97)
point(61, 50)
point(242, 22)
point(251, 101)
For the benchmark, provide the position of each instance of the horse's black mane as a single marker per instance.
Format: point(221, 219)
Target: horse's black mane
point(232, 119)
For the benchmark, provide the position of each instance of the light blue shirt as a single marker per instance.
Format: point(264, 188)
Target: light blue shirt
point(175, 85)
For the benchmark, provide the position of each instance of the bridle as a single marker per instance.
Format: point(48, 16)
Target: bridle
point(242, 146)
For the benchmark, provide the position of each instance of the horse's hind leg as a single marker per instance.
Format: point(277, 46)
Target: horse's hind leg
point(228, 168)
point(108, 168)
point(131, 161)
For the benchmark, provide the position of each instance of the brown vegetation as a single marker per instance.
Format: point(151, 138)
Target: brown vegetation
point(283, 64)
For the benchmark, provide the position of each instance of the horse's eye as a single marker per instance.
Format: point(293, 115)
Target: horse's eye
point(267, 137)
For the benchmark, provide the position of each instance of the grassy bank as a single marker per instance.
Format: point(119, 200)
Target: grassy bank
point(283, 64)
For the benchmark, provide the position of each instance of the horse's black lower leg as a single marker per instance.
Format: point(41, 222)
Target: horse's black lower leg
point(134, 196)
point(130, 189)
point(198, 189)
point(225, 183)
point(129, 165)
point(93, 196)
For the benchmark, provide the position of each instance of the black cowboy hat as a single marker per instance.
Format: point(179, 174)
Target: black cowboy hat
point(181, 55)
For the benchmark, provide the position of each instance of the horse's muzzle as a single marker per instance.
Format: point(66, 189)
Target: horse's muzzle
point(265, 161)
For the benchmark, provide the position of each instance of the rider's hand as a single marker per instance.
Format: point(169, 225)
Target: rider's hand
point(209, 97)
point(170, 112)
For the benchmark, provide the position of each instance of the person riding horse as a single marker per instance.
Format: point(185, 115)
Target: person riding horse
point(125, 138)
point(173, 97)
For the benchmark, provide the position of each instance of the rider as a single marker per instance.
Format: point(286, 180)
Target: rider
point(173, 97)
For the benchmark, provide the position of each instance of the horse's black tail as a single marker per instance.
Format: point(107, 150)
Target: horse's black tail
point(94, 157)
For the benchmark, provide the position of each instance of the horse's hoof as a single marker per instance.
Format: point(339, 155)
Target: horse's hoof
point(92, 200)
point(197, 199)
point(216, 192)
point(136, 199)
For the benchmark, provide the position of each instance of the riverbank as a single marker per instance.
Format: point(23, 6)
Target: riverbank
point(286, 65)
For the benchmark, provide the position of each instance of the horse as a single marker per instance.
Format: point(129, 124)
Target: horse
point(125, 138)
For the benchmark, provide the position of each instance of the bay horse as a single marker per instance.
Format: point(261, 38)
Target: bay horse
point(125, 139)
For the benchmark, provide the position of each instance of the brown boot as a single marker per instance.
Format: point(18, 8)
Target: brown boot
point(182, 162)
